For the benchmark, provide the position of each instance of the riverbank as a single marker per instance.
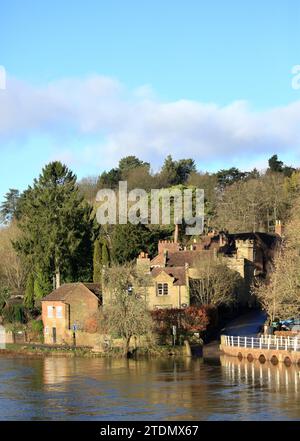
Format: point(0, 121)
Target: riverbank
point(32, 350)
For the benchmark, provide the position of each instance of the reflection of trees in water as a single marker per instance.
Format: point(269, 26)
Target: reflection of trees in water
point(156, 383)
point(278, 378)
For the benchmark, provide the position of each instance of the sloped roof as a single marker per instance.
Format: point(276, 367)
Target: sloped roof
point(66, 290)
point(178, 274)
point(179, 258)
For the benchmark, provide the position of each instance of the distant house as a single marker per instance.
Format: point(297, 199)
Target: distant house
point(170, 288)
point(172, 270)
point(70, 312)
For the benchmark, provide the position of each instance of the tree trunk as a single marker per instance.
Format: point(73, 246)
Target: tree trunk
point(126, 346)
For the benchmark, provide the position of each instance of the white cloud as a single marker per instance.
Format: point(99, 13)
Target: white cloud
point(137, 122)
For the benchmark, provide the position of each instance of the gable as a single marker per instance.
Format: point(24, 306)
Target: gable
point(164, 277)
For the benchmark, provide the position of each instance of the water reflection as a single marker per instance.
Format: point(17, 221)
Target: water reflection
point(61, 388)
point(278, 378)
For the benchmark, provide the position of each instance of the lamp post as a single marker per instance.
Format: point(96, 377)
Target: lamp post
point(75, 328)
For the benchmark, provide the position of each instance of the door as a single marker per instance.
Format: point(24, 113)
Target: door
point(54, 335)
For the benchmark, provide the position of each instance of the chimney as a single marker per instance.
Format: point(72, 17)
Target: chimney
point(143, 261)
point(165, 257)
point(278, 228)
point(176, 233)
point(57, 280)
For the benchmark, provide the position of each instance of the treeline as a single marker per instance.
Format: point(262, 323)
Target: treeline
point(51, 233)
point(235, 200)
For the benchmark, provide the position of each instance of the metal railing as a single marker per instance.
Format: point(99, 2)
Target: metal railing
point(264, 342)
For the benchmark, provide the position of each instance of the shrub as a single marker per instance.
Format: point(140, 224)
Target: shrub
point(14, 314)
point(188, 320)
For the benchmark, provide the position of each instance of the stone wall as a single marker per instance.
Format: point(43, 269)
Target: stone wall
point(272, 355)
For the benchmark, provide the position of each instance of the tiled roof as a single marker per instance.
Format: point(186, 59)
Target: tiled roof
point(179, 258)
point(66, 290)
point(178, 274)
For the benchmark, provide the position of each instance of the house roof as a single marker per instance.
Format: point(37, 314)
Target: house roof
point(179, 258)
point(177, 272)
point(66, 290)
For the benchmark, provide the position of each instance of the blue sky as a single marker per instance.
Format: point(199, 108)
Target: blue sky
point(90, 81)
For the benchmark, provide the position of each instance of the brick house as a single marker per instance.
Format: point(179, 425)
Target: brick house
point(71, 307)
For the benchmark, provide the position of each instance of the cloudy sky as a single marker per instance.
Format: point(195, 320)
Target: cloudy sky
point(88, 82)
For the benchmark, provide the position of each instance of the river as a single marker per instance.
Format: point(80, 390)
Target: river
point(223, 388)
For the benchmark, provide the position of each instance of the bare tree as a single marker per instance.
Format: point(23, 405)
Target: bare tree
point(125, 309)
point(280, 294)
point(12, 268)
point(214, 283)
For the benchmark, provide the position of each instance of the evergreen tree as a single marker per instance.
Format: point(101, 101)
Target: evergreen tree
point(130, 163)
point(42, 285)
point(176, 172)
point(57, 228)
point(29, 292)
point(105, 254)
point(275, 165)
point(97, 262)
point(9, 208)
point(128, 241)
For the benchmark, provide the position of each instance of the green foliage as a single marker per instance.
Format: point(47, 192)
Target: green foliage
point(105, 254)
point(228, 177)
point(128, 241)
point(9, 208)
point(4, 297)
point(37, 326)
point(42, 285)
point(176, 172)
point(14, 314)
point(109, 179)
point(97, 262)
point(276, 166)
point(57, 228)
point(129, 163)
point(29, 292)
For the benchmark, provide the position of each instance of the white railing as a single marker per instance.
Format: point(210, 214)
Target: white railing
point(264, 342)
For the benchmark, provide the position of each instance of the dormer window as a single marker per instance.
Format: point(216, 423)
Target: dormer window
point(162, 289)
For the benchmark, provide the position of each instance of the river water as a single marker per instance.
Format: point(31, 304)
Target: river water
point(223, 388)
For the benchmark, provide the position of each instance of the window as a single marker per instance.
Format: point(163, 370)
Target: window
point(59, 312)
point(162, 289)
point(50, 311)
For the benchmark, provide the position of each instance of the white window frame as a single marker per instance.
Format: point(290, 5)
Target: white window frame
point(50, 310)
point(59, 312)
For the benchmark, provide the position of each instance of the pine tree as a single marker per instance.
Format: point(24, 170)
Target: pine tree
point(9, 208)
point(42, 285)
point(105, 255)
point(57, 228)
point(29, 292)
point(128, 241)
point(97, 262)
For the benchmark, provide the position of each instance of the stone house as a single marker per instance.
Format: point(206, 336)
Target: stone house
point(70, 314)
point(173, 269)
